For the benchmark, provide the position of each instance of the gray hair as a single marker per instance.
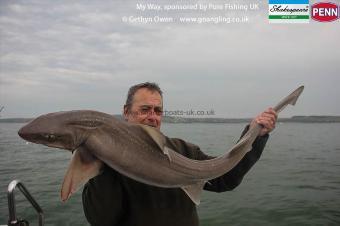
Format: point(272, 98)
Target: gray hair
point(151, 86)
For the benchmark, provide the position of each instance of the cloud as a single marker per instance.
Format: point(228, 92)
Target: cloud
point(81, 54)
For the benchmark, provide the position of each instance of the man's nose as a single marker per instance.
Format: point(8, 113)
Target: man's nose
point(152, 115)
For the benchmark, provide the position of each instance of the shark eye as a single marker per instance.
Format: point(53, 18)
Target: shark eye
point(50, 137)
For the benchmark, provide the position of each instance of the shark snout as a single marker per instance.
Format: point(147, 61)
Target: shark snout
point(24, 133)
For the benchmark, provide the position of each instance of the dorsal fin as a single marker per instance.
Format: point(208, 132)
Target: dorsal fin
point(156, 135)
point(159, 139)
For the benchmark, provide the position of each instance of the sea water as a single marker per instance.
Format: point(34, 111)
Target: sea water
point(296, 181)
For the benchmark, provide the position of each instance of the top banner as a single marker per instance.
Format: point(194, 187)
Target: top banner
point(288, 1)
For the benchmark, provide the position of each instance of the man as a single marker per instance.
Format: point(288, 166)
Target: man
point(112, 199)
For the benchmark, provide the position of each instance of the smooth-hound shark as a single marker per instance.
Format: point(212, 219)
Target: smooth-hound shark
point(137, 151)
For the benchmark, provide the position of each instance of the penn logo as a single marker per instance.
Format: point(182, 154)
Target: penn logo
point(325, 12)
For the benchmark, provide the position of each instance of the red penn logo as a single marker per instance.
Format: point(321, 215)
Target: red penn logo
point(325, 11)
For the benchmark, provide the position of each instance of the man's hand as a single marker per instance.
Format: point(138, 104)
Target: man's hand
point(267, 119)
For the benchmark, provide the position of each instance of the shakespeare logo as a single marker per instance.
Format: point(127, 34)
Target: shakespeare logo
point(288, 11)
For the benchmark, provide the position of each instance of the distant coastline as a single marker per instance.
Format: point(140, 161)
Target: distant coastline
point(167, 119)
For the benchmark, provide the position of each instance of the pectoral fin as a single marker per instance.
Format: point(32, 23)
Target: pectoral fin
point(194, 192)
point(83, 166)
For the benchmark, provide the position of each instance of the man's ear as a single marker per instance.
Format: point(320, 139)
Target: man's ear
point(126, 112)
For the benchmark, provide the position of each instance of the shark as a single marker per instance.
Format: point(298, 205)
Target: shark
point(137, 151)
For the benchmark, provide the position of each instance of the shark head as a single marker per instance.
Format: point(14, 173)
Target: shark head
point(69, 130)
point(66, 130)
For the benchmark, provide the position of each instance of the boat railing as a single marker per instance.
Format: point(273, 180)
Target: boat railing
point(13, 220)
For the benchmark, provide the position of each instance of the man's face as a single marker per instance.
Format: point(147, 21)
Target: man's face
point(146, 108)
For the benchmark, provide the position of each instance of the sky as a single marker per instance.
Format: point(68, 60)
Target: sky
point(68, 55)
